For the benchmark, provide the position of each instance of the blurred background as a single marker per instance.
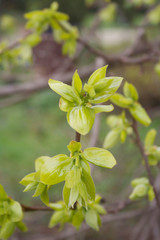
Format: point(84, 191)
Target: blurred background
point(32, 125)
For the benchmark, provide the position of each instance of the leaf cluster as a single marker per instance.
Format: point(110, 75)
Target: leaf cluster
point(11, 215)
point(79, 101)
point(130, 102)
point(120, 128)
point(74, 170)
point(142, 188)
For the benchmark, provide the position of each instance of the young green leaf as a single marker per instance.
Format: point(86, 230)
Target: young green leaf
point(150, 138)
point(139, 113)
point(76, 83)
point(105, 88)
point(121, 101)
point(96, 75)
point(102, 108)
point(7, 229)
point(99, 157)
point(92, 219)
point(111, 138)
point(56, 218)
point(81, 119)
point(62, 89)
point(16, 213)
point(87, 179)
point(130, 91)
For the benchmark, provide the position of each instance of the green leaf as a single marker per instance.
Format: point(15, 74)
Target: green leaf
point(57, 206)
point(31, 186)
point(56, 218)
point(65, 105)
point(74, 193)
point(30, 178)
point(39, 163)
point(85, 165)
point(105, 88)
point(89, 89)
point(32, 40)
point(139, 191)
point(7, 229)
point(137, 181)
point(44, 196)
point(99, 209)
point(99, 157)
point(73, 177)
point(21, 226)
point(77, 219)
point(96, 75)
point(74, 147)
point(121, 101)
point(54, 168)
point(87, 179)
point(151, 194)
point(92, 219)
point(139, 113)
point(39, 190)
point(81, 119)
point(66, 195)
point(3, 195)
point(76, 83)
point(83, 191)
point(16, 213)
point(130, 91)
point(111, 138)
point(103, 108)
point(150, 138)
point(62, 89)
point(123, 136)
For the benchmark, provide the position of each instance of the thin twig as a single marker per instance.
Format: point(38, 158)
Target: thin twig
point(78, 137)
point(35, 209)
point(145, 157)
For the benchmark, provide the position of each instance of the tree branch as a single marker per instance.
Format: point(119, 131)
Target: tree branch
point(145, 157)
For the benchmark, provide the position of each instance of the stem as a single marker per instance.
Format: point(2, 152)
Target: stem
point(33, 209)
point(78, 137)
point(145, 157)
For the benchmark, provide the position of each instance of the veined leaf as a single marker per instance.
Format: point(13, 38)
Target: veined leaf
point(150, 138)
point(7, 229)
point(81, 119)
point(30, 178)
point(103, 108)
point(39, 190)
point(74, 193)
point(111, 138)
point(92, 219)
point(138, 181)
point(139, 113)
point(53, 170)
point(66, 195)
point(73, 177)
point(87, 179)
point(74, 147)
point(130, 91)
point(97, 75)
point(65, 105)
point(56, 218)
point(16, 213)
point(77, 83)
point(105, 88)
point(99, 157)
point(121, 101)
point(62, 89)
